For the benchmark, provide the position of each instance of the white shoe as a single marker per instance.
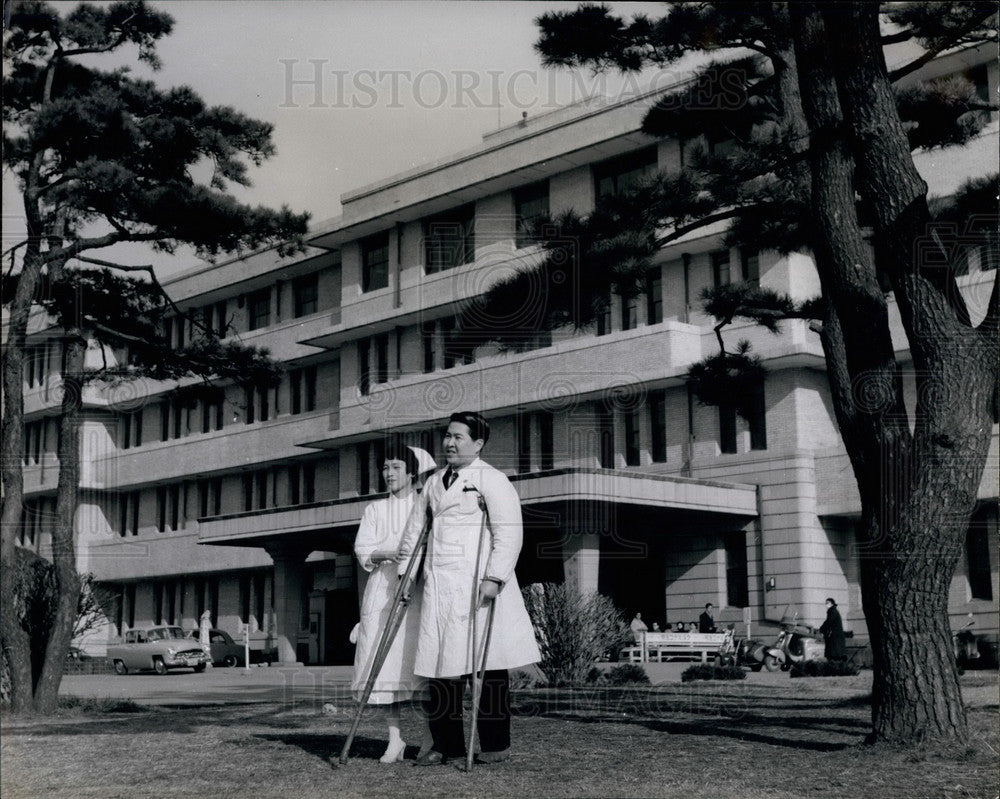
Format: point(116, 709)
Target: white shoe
point(394, 753)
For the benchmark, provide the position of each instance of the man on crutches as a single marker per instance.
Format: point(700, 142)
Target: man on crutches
point(474, 542)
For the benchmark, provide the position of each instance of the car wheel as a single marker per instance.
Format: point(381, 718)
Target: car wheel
point(229, 661)
point(120, 667)
point(159, 666)
point(199, 668)
point(771, 663)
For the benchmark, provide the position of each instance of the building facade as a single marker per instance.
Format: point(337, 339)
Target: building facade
point(246, 502)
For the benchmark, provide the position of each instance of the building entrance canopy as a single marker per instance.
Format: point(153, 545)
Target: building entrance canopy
point(331, 525)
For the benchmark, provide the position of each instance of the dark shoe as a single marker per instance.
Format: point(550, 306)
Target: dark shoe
point(486, 758)
point(432, 758)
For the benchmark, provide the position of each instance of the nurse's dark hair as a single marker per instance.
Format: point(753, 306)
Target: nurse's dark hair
point(478, 426)
point(400, 452)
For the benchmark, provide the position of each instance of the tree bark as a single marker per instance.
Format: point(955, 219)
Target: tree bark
point(63, 538)
point(16, 644)
point(917, 490)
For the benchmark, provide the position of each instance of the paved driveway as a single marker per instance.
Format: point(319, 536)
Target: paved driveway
point(317, 684)
point(298, 685)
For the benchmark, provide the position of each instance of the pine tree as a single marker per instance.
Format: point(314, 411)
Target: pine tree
point(102, 157)
point(811, 123)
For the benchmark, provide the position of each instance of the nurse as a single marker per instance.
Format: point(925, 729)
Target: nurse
point(375, 547)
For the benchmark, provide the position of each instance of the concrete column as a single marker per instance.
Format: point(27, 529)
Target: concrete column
point(581, 561)
point(288, 565)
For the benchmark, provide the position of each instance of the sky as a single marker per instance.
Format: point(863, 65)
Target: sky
point(357, 91)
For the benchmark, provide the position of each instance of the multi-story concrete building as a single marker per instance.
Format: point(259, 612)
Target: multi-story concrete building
point(247, 502)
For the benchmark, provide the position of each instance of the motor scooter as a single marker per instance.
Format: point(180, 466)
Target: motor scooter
point(747, 652)
point(796, 643)
point(966, 647)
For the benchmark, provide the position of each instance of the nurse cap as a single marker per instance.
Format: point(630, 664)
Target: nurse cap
point(425, 461)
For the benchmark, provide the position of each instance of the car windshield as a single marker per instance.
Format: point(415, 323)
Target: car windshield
point(174, 632)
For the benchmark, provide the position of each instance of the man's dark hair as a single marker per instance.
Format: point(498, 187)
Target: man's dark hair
point(400, 452)
point(478, 426)
point(708, 605)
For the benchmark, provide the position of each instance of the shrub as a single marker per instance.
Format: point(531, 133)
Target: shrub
point(626, 674)
point(572, 630)
point(707, 671)
point(520, 679)
point(824, 668)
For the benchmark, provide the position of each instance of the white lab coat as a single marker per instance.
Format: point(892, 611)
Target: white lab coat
point(444, 646)
point(381, 529)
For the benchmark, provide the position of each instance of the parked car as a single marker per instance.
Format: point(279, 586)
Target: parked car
point(225, 651)
point(159, 649)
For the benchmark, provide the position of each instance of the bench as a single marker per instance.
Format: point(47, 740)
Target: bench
point(661, 647)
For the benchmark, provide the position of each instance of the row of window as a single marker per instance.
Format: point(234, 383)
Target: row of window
point(449, 238)
point(180, 416)
point(175, 601)
point(261, 306)
point(261, 489)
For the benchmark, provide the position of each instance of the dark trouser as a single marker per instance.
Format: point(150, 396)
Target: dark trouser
point(444, 713)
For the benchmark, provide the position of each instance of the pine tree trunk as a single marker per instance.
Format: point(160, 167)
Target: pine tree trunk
point(63, 538)
point(16, 643)
point(917, 490)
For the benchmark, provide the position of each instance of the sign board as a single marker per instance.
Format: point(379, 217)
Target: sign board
point(747, 615)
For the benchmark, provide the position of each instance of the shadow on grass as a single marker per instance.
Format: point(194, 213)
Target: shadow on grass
point(327, 747)
point(816, 726)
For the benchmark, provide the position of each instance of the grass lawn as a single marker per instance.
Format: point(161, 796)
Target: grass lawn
point(707, 740)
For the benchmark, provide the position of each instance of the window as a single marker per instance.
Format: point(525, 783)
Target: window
point(375, 262)
point(294, 486)
point(606, 434)
point(630, 313)
point(364, 375)
point(450, 239)
point(132, 429)
point(210, 497)
point(720, 268)
point(618, 175)
point(378, 452)
point(523, 421)
point(977, 551)
point(737, 580)
point(179, 410)
point(260, 480)
point(308, 482)
point(34, 365)
point(302, 383)
point(381, 346)
point(245, 598)
point(632, 439)
point(165, 420)
point(161, 509)
point(658, 426)
point(545, 439)
point(128, 514)
point(168, 508)
point(305, 295)
point(750, 267)
point(427, 340)
point(727, 429)
point(34, 433)
point(758, 419)
point(604, 318)
point(364, 472)
point(212, 412)
point(221, 321)
point(258, 598)
point(248, 491)
point(259, 308)
point(654, 296)
point(531, 203)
